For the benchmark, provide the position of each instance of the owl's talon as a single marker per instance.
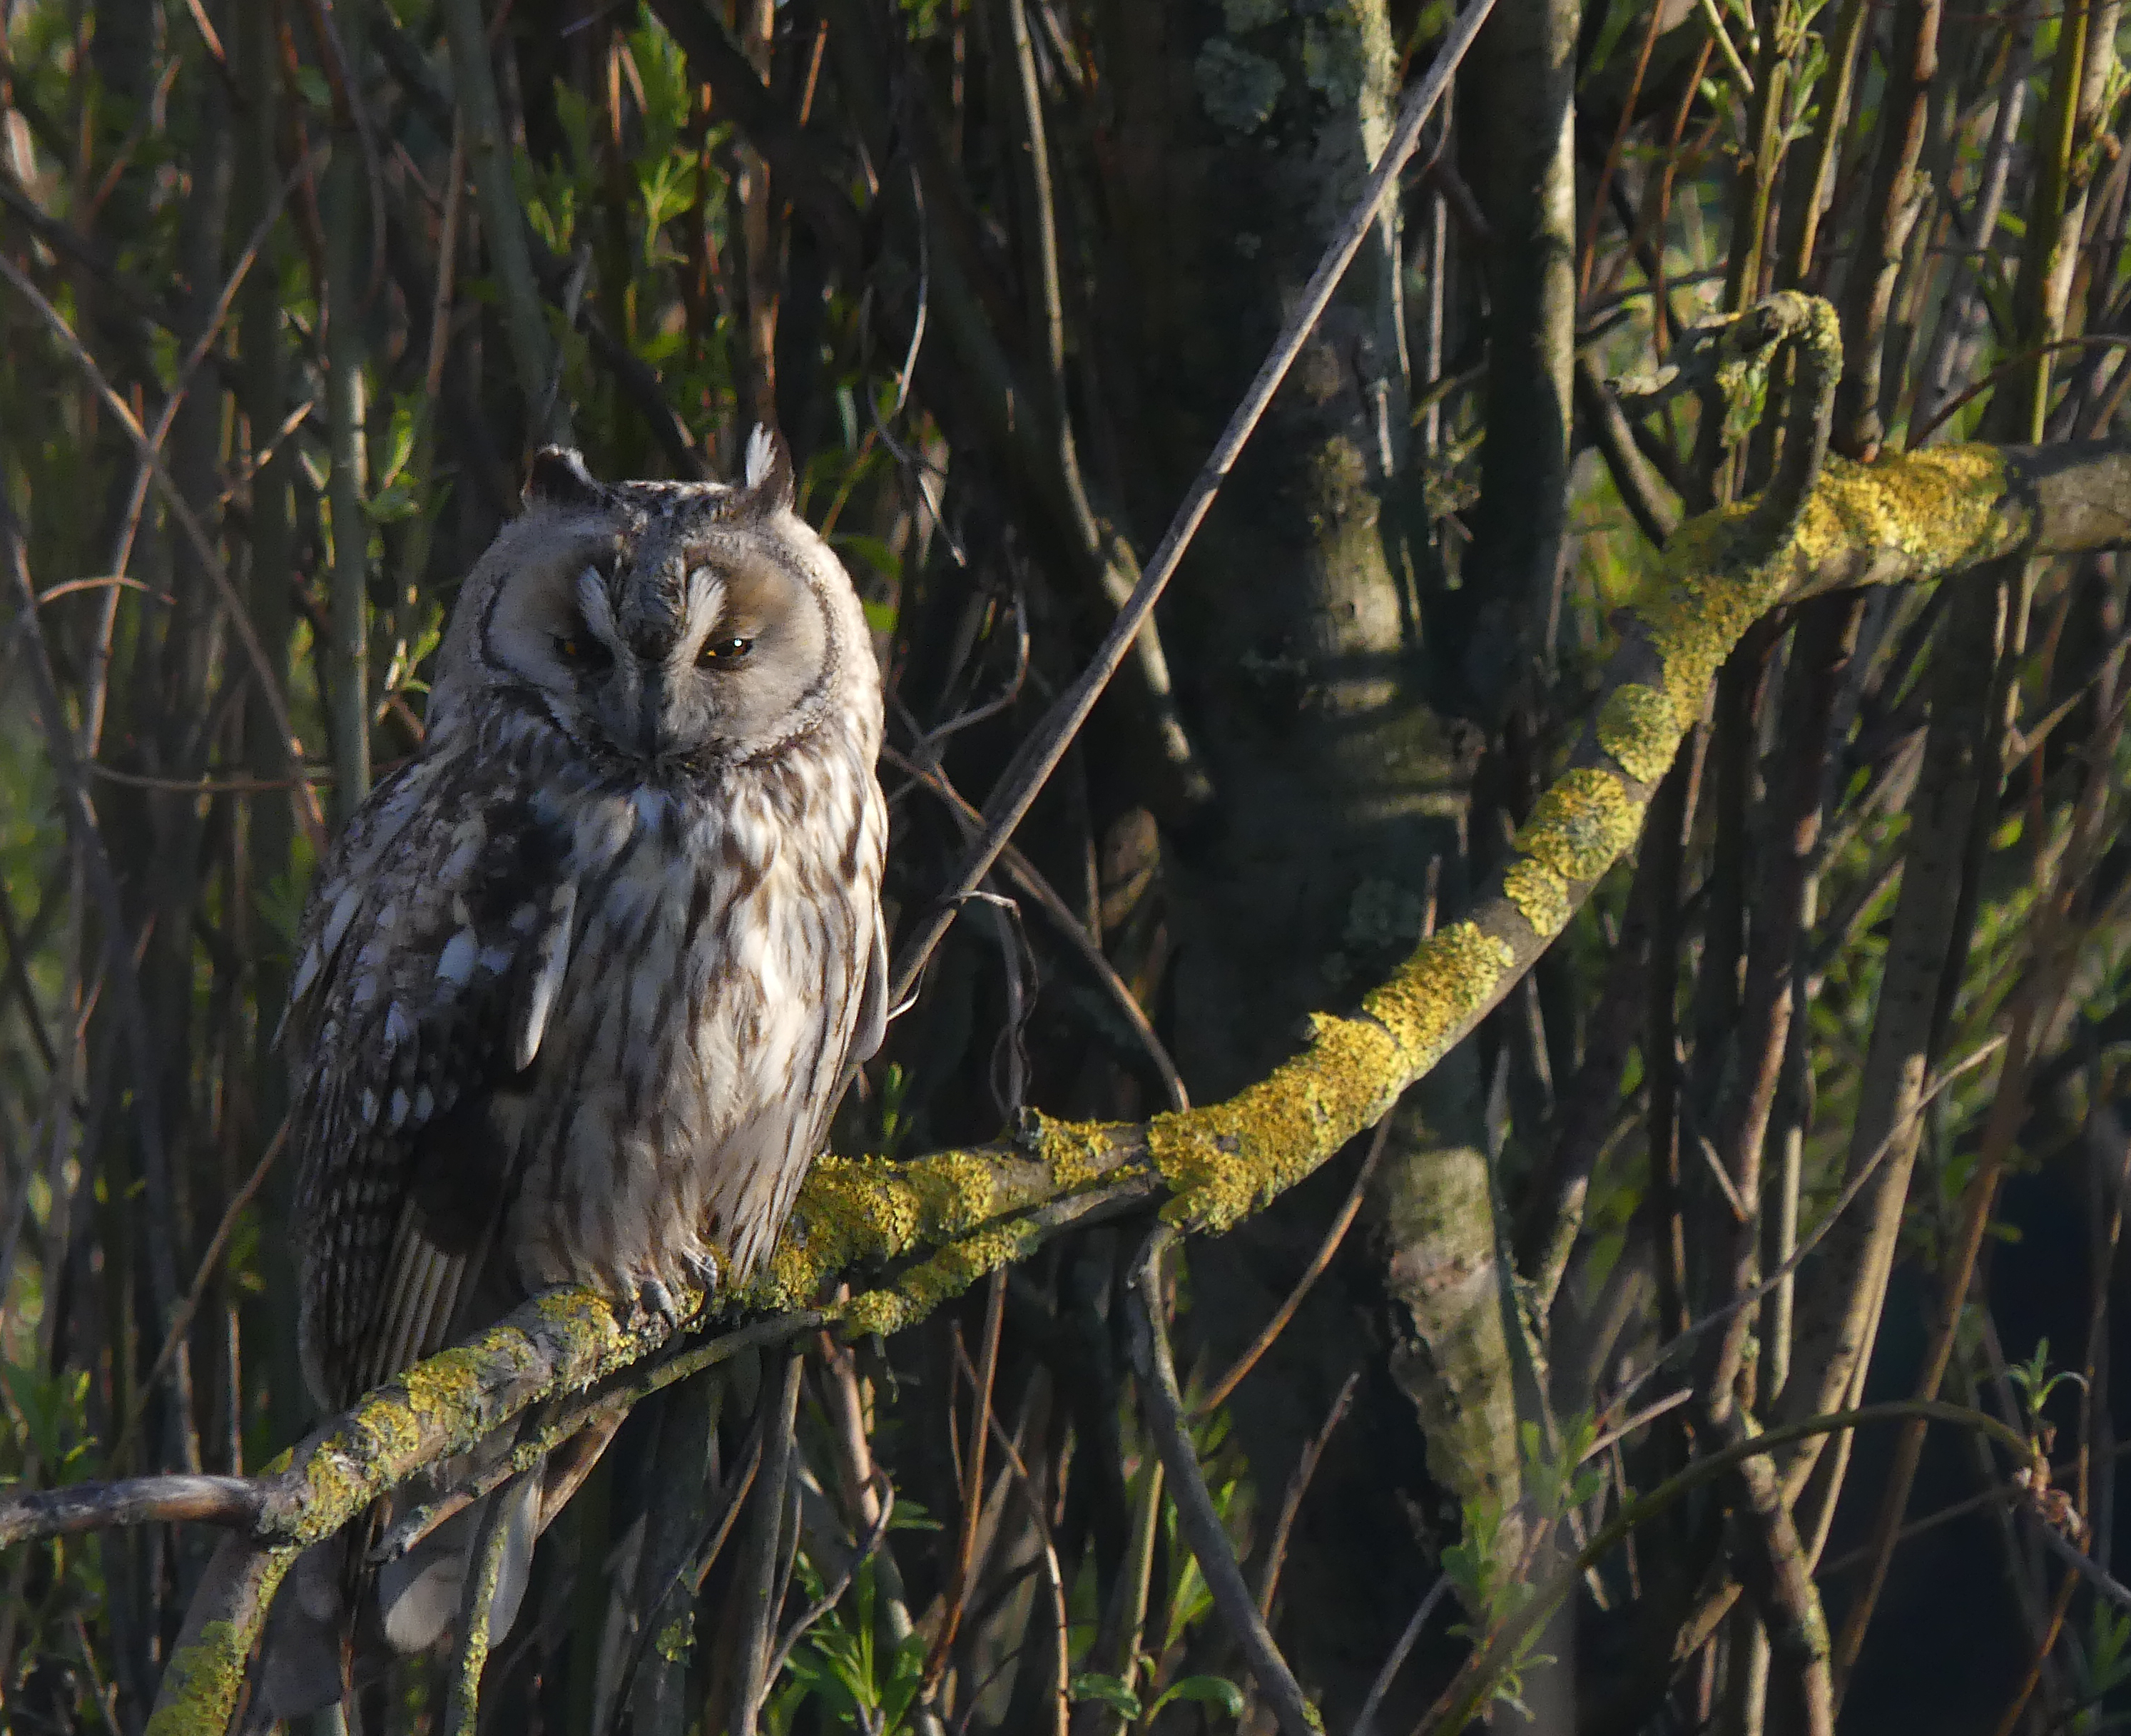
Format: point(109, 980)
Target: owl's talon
point(703, 1267)
point(654, 1300)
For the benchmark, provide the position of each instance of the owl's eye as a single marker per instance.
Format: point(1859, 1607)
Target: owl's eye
point(579, 647)
point(725, 650)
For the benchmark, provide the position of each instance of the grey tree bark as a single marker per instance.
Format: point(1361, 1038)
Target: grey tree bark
point(1240, 136)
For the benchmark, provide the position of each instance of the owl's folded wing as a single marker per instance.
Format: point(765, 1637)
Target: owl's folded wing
point(431, 959)
point(871, 1027)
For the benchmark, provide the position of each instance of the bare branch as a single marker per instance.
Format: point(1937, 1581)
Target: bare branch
point(1195, 1515)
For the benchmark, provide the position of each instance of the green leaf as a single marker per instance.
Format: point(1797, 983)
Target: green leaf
point(1211, 1691)
point(395, 501)
point(660, 347)
point(872, 550)
point(1109, 1689)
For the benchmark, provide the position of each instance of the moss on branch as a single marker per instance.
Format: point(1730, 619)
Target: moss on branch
point(922, 1232)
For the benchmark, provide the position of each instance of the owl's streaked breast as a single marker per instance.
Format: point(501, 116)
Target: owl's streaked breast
point(683, 1077)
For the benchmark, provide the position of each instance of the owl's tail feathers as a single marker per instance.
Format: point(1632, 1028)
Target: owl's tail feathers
point(418, 1595)
point(322, 1643)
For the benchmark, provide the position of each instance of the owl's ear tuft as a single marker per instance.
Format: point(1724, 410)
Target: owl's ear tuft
point(768, 476)
point(558, 477)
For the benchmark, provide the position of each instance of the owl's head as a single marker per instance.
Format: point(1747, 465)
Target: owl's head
point(660, 624)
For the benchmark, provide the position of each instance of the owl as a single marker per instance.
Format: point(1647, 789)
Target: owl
point(577, 990)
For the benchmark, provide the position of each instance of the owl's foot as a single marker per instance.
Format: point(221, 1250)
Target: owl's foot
point(654, 1300)
point(703, 1266)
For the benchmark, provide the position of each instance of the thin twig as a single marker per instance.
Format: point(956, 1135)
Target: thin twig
point(503, 222)
point(2026, 358)
point(692, 1569)
point(1195, 1517)
point(2096, 1574)
point(1365, 1721)
point(1039, 755)
point(2032, 1679)
point(25, 992)
point(833, 1593)
point(1032, 881)
point(1061, 1701)
point(476, 1613)
point(182, 1323)
point(1473, 1686)
point(1744, 78)
point(755, 1586)
point(1286, 1312)
point(240, 619)
point(1298, 1486)
point(1855, 1186)
point(973, 1486)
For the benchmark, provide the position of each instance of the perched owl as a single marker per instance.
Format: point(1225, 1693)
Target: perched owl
point(577, 990)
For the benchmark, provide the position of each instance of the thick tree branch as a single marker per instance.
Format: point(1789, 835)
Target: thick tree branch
point(922, 1233)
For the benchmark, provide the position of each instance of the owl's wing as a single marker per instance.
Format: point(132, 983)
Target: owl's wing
point(430, 958)
point(872, 1024)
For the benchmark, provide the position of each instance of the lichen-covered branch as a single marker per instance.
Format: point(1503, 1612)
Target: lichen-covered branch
point(910, 1236)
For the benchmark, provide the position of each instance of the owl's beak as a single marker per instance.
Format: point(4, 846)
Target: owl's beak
point(651, 716)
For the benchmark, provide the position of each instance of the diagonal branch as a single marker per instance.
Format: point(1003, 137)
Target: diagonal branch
point(910, 1236)
point(1017, 788)
point(1195, 1515)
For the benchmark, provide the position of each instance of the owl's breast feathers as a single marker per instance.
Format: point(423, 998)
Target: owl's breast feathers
point(544, 1029)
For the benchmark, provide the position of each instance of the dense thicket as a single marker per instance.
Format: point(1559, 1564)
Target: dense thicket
point(291, 292)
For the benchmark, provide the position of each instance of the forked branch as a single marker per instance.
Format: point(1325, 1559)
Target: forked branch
point(910, 1236)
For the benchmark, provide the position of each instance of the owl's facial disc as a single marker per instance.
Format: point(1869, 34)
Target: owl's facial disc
point(717, 651)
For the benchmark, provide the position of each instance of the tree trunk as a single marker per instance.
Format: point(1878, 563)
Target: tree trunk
point(1241, 138)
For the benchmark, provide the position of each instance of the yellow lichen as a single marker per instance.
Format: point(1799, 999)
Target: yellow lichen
point(201, 1683)
point(1695, 622)
point(1540, 895)
point(1911, 515)
point(1580, 825)
point(1077, 1152)
point(1222, 1162)
point(449, 1383)
point(1425, 1004)
point(855, 1211)
point(1639, 728)
point(953, 1190)
point(849, 1209)
point(1938, 510)
point(204, 1676)
point(941, 1278)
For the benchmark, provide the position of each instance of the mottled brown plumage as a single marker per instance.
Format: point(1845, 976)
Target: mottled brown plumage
point(575, 993)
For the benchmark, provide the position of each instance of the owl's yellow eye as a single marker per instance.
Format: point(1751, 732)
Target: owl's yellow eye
point(580, 647)
point(725, 650)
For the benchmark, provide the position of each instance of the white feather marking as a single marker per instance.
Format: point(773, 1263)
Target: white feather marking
point(398, 1027)
point(425, 1104)
point(758, 453)
point(551, 960)
point(496, 960)
point(460, 862)
point(365, 991)
point(342, 914)
point(456, 966)
point(369, 1108)
point(307, 972)
point(397, 1109)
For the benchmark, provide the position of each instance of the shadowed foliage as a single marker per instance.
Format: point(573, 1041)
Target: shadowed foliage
point(1526, 1113)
